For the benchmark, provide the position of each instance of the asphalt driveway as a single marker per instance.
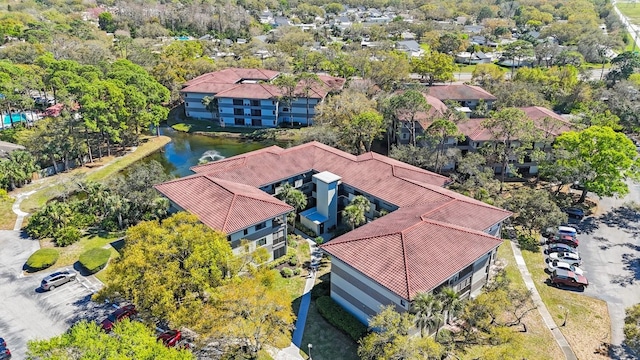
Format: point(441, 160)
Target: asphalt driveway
point(610, 248)
point(27, 313)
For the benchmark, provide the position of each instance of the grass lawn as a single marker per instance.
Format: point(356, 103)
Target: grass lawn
point(630, 10)
point(537, 342)
point(70, 254)
point(588, 323)
point(51, 187)
point(7, 216)
point(328, 342)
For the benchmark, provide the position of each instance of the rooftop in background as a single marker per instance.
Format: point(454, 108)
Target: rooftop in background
point(255, 84)
point(461, 92)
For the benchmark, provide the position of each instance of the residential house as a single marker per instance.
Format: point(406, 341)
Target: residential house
point(410, 47)
point(246, 97)
point(430, 236)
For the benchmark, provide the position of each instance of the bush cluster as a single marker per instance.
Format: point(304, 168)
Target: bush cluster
point(340, 318)
point(293, 261)
point(67, 236)
point(305, 230)
point(291, 253)
point(95, 259)
point(286, 273)
point(42, 259)
point(297, 271)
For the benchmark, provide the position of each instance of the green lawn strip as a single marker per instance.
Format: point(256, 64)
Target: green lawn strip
point(588, 323)
point(328, 342)
point(7, 216)
point(145, 149)
point(70, 254)
point(51, 187)
point(630, 10)
point(537, 342)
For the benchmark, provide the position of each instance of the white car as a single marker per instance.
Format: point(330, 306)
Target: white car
point(557, 264)
point(569, 258)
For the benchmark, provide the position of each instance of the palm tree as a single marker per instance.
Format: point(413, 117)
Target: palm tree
point(427, 310)
point(356, 210)
point(293, 197)
point(451, 302)
point(354, 215)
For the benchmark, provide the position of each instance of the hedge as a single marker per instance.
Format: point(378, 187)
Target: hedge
point(95, 259)
point(67, 236)
point(340, 318)
point(42, 259)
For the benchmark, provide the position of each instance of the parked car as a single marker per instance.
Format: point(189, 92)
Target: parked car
point(3, 344)
point(568, 257)
point(575, 214)
point(170, 338)
point(58, 278)
point(568, 278)
point(557, 264)
point(569, 230)
point(563, 239)
point(5, 353)
point(558, 247)
point(124, 312)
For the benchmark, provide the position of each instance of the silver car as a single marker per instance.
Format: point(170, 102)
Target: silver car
point(58, 278)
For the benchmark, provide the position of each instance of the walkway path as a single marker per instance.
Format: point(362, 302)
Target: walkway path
point(546, 316)
point(293, 351)
point(16, 209)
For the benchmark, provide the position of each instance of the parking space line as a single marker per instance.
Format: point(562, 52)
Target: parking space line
point(58, 291)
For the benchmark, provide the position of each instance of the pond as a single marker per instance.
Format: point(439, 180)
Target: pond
point(187, 150)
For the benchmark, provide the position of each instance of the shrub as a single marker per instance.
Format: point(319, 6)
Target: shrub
point(319, 240)
point(529, 243)
point(297, 271)
point(4, 195)
point(42, 259)
point(293, 243)
point(293, 261)
point(340, 318)
point(95, 259)
point(66, 236)
point(286, 273)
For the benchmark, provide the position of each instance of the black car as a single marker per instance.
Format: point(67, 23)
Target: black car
point(5, 354)
point(574, 214)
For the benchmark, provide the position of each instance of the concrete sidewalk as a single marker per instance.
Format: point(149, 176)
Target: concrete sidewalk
point(542, 309)
point(293, 351)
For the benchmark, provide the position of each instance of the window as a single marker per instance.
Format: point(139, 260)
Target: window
point(256, 113)
point(186, 104)
point(261, 226)
point(246, 231)
point(261, 242)
point(237, 101)
point(274, 112)
point(255, 102)
point(285, 109)
point(256, 122)
point(238, 112)
point(239, 121)
point(403, 303)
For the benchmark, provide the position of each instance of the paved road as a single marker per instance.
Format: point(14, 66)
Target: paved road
point(610, 248)
point(27, 313)
point(631, 28)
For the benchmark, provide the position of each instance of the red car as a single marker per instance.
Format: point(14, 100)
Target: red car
point(124, 312)
point(563, 239)
point(561, 277)
point(170, 338)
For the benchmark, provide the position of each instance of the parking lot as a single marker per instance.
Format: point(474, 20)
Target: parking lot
point(28, 313)
point(610, 249)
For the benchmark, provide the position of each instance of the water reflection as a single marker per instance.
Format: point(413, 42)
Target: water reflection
point(187, 150)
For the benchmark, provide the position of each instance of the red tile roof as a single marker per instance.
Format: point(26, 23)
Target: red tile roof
point(434, 234)
point(221, 204)
point(475, 131)
point(420, 252)
point(461, 92)
point(228, 83)
point(390, 180)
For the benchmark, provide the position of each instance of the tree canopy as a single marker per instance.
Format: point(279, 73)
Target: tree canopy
point(86, 340)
